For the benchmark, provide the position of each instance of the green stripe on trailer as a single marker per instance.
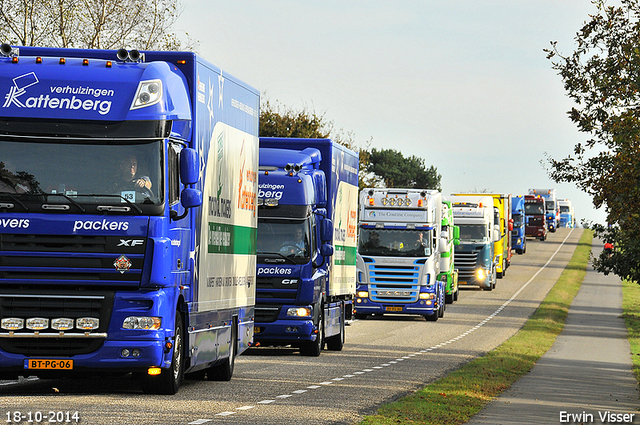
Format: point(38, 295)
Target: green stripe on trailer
point(230, 239)
point(344, 255)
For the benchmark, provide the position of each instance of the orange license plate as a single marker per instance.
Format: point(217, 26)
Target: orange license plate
point(393, 308)
point(48, 364)
point(462, 282)
point(258, 329)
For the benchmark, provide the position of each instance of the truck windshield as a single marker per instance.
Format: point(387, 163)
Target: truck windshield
point(284, 238)
point(564, 209)
point(81, 175)
point(474, 233)
point(518, 220)
point(395, 242)
point(533, 209)
point(550, 205)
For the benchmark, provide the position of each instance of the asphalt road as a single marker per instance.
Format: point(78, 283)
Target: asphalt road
point(383, 359)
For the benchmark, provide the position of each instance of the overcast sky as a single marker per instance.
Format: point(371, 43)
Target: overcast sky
point(464, 85)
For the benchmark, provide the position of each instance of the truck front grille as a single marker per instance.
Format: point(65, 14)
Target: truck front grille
point(68, 259)
point(398, 284)
point(54, 305)
point(466, 262)
point(267, 313)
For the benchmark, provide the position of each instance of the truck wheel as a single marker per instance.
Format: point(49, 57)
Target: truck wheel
point(448, 298)
point(336, 342)
point(169, 380)
point(432, 317)
point(313, 348)
point(455, 294)
point(361, 316)
point(224, 371)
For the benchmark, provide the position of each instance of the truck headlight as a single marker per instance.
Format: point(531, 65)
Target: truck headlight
point(363, 294)
point(299, 312)
point(481, 274)
point(427, 296)
point(12, 323)
point(87, 323)
point(147, 323)
point(149, 93)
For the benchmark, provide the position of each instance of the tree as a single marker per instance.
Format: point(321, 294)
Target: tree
point(602, 76)
point(377, 168)
point(280, 121)
point(91, 24)
point(398, 171)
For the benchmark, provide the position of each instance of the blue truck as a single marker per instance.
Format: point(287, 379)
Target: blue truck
point(518, 236)
point(399, 253)
point(475, 259)
point(307, 219)
point(128, 215)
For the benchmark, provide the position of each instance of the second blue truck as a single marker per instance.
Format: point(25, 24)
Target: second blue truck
point(307, 209)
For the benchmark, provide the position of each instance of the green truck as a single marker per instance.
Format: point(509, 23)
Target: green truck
point(450, 237)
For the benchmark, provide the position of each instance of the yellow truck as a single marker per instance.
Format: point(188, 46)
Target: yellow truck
point(502, 217)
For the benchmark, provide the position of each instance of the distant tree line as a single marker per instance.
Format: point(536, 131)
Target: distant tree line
point(378, 167)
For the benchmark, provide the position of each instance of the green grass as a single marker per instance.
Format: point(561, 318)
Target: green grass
point(631, 308)
point(461, 394)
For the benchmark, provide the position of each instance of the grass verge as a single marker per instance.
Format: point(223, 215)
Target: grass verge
point(461, 394)
point(631, 308)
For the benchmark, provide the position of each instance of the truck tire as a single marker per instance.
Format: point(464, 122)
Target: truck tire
point(361, 316)
point(455, 294)
point(448, 298)
point(336, 342)
point(313, 348)
point(223, 371)
point(169, 380)
point(432, 317)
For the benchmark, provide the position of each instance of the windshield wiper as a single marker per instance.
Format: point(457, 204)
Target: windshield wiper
point(131, 204)
point(15, 199)
point(80, 207)
point(276, 254)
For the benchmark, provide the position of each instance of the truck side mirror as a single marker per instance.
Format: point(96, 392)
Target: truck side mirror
point(191, 198)
point(510, 224)
point(189, 166)
point(496, 234)
point(326, 230)
point(456, 235)
point(326, 250)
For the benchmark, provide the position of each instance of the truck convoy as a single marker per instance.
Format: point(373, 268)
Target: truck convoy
point(518, 234)
point(534, 216)
point(567, 216)
point(450, 238)
point(502, 212)
point(307, 221)
point(127, 215)
point(474, 256)
point(552, 209)
point(399, 252)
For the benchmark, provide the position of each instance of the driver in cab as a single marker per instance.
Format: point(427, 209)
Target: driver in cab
point(129, 178)
point(298, 246)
